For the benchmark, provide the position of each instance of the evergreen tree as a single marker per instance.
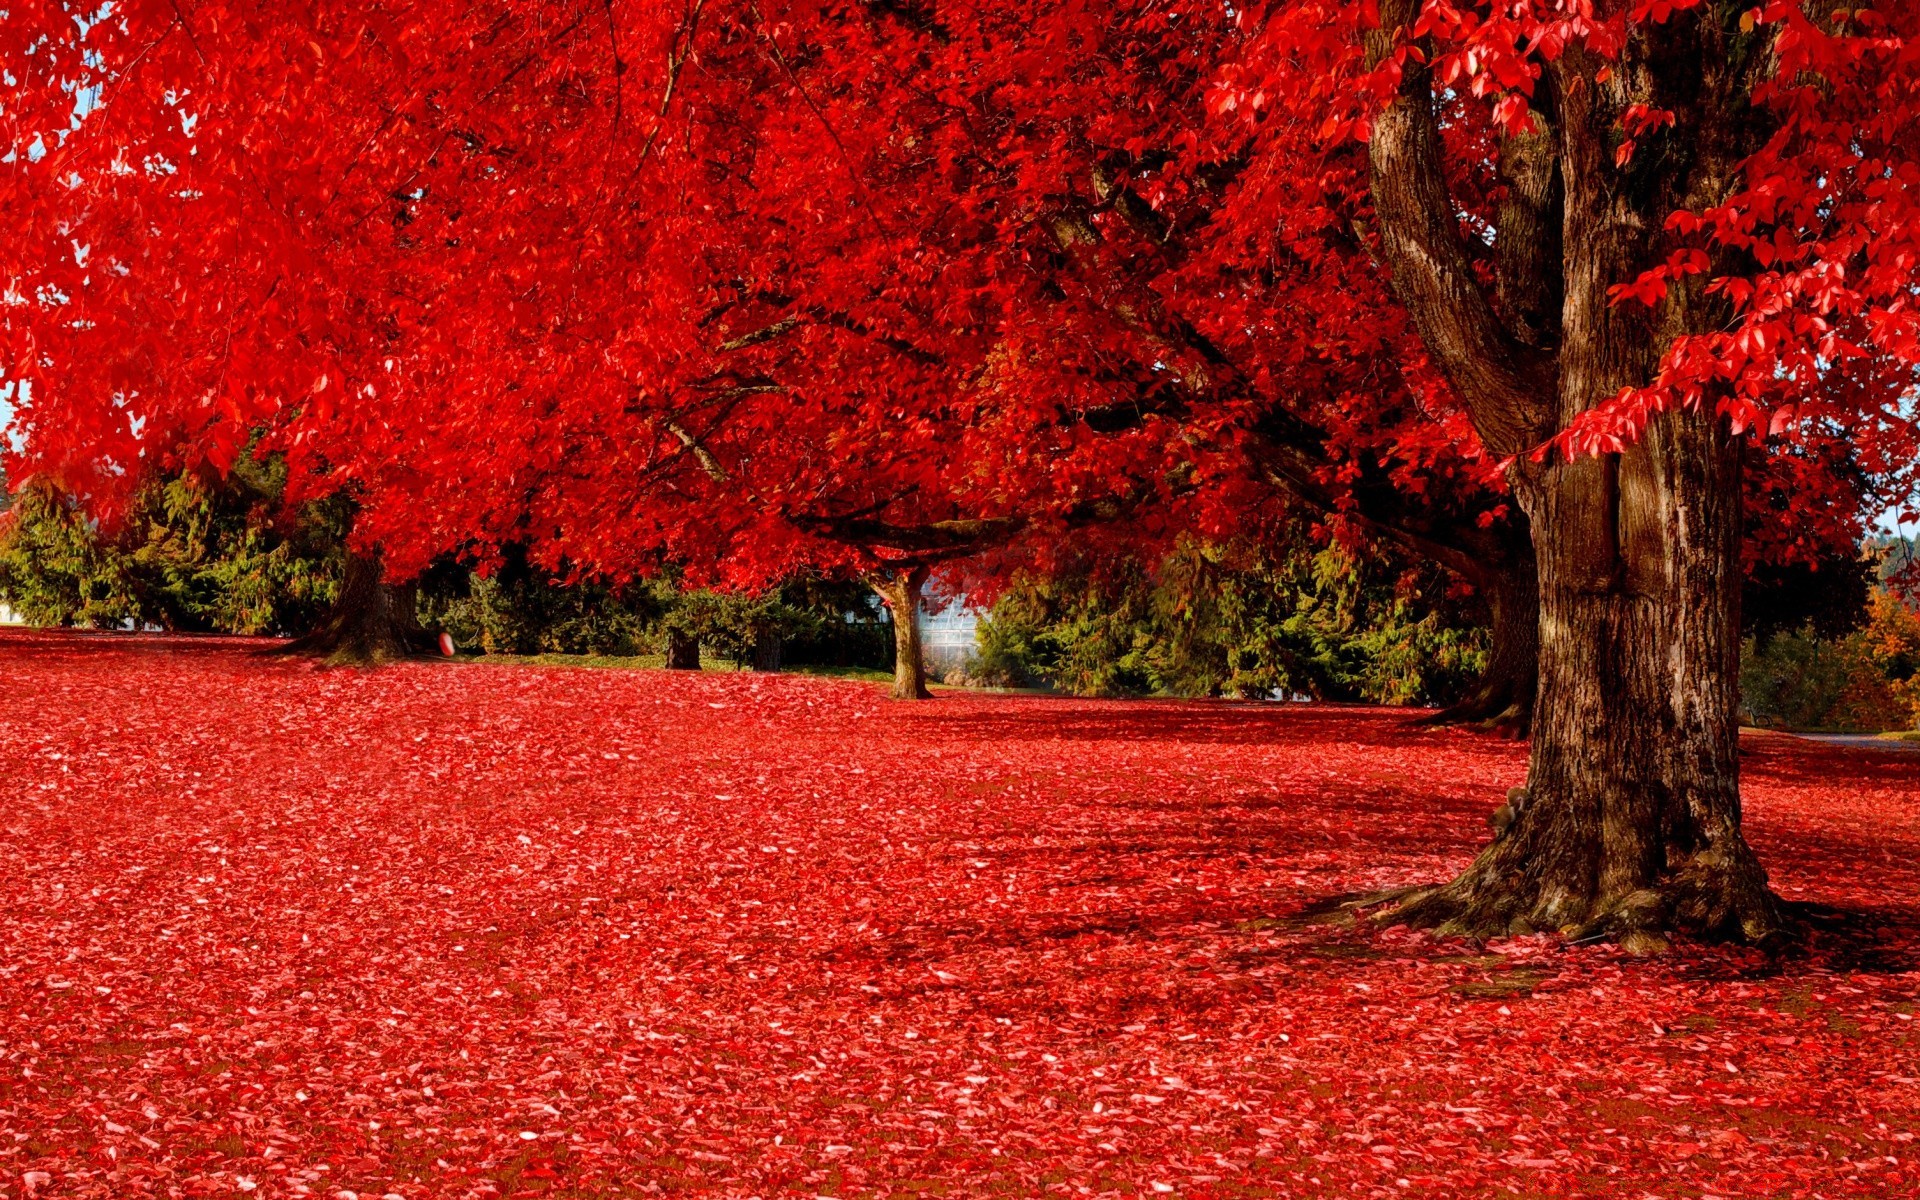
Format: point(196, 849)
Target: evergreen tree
point(194, 555)
point(1234, 620)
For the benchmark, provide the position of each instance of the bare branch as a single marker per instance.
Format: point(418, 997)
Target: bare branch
point(708, 462)
point(678, 53)
point(934, 541)
point(778, 329)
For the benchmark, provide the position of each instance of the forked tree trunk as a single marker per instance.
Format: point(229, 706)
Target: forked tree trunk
point(371, 621)
point(901, 590)
point(1629, 825)
point(683, 651)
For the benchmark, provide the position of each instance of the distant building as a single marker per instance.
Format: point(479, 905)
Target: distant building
point(948, 638)
point(10, 617)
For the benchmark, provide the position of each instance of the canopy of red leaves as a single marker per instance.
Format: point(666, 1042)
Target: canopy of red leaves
point(451, 930)
point(622, 280)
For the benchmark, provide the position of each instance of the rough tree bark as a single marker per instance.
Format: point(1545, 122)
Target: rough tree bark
point(371, 621)
point(767, 649)
point(1629, 825)
point(901, 590)
point(683, 651)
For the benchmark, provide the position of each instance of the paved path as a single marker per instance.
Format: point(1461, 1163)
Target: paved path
point(1862, 741)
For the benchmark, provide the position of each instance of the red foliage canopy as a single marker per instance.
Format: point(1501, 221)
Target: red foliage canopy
point(759, 284)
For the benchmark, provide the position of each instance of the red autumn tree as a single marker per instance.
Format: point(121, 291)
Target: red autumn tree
point(1700, 215)
point(847, 286)
point(851, 384)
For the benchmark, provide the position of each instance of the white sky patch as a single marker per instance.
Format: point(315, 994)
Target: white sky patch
point(13, 436)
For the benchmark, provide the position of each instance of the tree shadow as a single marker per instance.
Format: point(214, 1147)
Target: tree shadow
point(1857, 940)
point(1801, 763)
point(1196, 721)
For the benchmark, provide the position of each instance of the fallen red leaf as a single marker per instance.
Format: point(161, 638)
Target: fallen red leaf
point(455, 930)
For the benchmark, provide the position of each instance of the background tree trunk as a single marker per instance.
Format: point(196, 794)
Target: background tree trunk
point(901, 590)
point(766, 651)
point(1504, 696)
point(683, 651)
point(372, 621)
point(1491, 550)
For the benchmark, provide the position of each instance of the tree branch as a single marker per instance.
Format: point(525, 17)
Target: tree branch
point(1292, 454)
point(767, 333)
point(1527, 252)
point(708, 462)
point(1508, 386)
point(935, 541)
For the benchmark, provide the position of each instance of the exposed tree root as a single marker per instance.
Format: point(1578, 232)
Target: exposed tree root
point(1493, 708)
point(1701, 901)
point(357, 648)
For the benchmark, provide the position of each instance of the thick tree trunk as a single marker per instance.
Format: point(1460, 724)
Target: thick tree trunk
point(1630, 821)
point(766, 652)
point(372, 621)
point(1629, 825)
point(901, 590)
point(683, 651)
point(1503, 698)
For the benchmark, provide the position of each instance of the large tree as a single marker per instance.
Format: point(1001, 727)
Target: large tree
point(440, 294)
point(773, 307)
point(1626, 233)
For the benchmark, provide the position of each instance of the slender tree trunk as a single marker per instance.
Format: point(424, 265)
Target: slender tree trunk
point(1503, 697)
point(683, 651)
point(371, 621)
point(901, 590)
point(766, 651)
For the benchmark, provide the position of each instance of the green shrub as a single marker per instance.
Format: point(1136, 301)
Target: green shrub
point(1865, 682)
point(518, 608)
point(1234, 621)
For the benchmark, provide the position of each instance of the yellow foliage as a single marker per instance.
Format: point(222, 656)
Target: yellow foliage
point(1892, 640)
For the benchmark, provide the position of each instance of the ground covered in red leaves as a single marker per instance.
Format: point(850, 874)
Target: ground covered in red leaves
point(466, 931)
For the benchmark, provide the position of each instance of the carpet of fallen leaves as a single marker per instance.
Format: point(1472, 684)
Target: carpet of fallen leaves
point(476, 931)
